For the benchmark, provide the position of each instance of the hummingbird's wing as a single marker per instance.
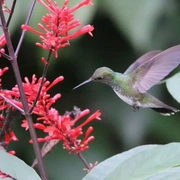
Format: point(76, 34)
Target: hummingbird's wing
point(141, 60)
point(151, 72)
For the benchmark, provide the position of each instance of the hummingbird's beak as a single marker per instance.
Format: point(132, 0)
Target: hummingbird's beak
point(85, 82)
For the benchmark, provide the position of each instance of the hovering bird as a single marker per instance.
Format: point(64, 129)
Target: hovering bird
point(145, 72)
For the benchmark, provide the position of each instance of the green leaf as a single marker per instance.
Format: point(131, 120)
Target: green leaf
point(17, 168)
point(173, 86)
point(144, 162)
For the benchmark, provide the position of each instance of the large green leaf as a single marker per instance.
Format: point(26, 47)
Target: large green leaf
point(144, 162)
point(15, 167)
point(173, 86)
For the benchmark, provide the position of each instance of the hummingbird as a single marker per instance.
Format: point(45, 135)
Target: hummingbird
point(145, 72)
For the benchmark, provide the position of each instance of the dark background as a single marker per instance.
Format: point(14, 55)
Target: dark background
point(124, 30)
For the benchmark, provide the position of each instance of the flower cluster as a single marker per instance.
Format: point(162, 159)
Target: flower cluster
point(55, 32)
point(57, 29)
point(31, 89)
point(62, 127)
point(56, 126)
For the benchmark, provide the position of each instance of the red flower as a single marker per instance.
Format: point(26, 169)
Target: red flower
point(56, 126)
point(2, 40)
point(12, 152)
point(58, 24)
point(2, 71)
point(2, 43)
point(25, 124)
point(31, 89)
point(63, 128)
point(8, 135)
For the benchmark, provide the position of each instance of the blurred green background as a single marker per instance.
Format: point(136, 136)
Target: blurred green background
point(124, 30)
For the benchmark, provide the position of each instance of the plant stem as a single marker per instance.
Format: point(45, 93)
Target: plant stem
point(42, 82)
point(12, 104)
point(84, 161)
point(28, 117)
point(24, 31)
point(11, 13)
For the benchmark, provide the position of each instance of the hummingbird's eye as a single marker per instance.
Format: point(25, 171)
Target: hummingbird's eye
point(99, 78)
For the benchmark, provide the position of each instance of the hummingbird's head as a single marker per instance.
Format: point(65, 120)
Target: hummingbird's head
point(102, 74)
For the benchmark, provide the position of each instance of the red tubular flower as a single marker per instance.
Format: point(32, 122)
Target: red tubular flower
point(10, 136)
point(63, 128)
point(2, 43)
point(58, 24)
point(72, 141)
point(31, 89)
point(2, 71)
point(25, 124)
point(2, 40)
point(12, 152)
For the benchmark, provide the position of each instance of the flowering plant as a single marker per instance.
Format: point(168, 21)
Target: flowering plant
point(31, 97)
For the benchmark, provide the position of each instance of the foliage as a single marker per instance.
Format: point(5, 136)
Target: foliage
point(123, 30)
point(151, 162)
point(18, 169)
point(173, 86)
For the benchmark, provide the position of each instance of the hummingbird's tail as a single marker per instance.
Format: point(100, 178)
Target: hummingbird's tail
point(161, 107)
point(166, 111)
